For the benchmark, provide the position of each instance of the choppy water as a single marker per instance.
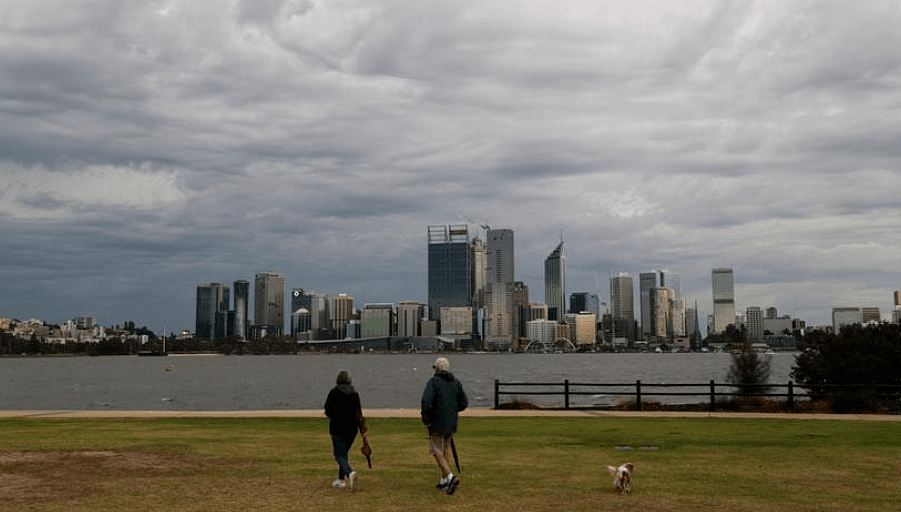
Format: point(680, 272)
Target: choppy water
point(302, 381)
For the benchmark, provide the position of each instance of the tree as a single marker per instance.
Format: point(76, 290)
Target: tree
point(857, 355)
point(749, 371)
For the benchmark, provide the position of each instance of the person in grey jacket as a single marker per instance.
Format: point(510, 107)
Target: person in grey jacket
point(442, 399)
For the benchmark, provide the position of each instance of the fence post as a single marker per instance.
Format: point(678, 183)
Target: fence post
point(791, 396)
point(497, 392)
point(638, 394)
point(566, 394)
point(712, 396)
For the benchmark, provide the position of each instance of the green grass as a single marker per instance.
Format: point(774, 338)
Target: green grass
point(277, 464)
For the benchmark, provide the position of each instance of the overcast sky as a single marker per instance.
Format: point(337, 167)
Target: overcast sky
point(148, 147)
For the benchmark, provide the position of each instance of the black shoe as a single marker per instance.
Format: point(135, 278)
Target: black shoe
point(452, 485)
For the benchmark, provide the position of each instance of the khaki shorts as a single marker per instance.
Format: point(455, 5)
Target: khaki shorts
point(439, 443)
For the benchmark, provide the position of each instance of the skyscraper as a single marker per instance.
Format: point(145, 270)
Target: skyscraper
point(501, 314)
point(409, 314)
point(342, 310)
point(211, 311)
point(450, 271)
point(723, 299)
point(269, 304)
point(583, 302)
point(754, 320)
point(622, 307)
point(662, 313)
point(647, 281)
point(242, 303)
point(555, 282)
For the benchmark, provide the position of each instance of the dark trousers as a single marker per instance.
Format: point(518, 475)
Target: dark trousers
point(340, 448)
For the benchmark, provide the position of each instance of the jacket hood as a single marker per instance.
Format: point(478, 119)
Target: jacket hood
point(347, 389)
point(446, 375)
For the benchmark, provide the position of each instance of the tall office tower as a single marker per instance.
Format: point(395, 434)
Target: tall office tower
point(647, 281)
point(845, 316)
point(723, 299)
point(212, 310)
point(661, 313)
point(673, 281)
point(269, 304)
point(870, 314)
point(520, 306)
point(342, 311)
point(897, 296)
point(582, 302)
point(555, 282)
point(409, 314)
point(478, 254)
point(316, 303)
point(450, 272)
point(242, 303)
point(622, 308)
point(754, 319)
point(500, 315)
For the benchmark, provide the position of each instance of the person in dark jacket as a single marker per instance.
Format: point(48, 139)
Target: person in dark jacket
point(345, 418)
point(442, 399)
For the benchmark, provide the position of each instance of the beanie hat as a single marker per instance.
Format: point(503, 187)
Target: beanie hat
point(343, 377)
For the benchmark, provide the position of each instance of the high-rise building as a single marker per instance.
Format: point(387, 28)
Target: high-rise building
point(555, 282)
point(316, 303)
point(647, 281)
point(450, 268)
point(723, 299)
point(479, 271)
point(377, 320)
point(870, 314)
point(341, 312)
point(662, 313)
point(842, 316)
point(754, 319)
point(622, 306)
point(501, 312)
point(269, 304)
point(409, 315)
point(582, 302)
point(520, 306)
point(242, 305)
point(212, 311)
point(897, 297)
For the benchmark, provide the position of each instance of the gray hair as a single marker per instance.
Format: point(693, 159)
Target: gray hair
point(441, 364)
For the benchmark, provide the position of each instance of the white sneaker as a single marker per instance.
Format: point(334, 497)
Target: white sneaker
point(338, 483)
point(352, 480)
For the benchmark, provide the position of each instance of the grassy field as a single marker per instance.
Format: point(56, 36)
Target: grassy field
point(280, 464)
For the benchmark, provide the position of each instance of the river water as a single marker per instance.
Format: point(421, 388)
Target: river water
point(303, 381)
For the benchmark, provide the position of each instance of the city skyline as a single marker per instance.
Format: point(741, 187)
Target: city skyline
point(146, 148)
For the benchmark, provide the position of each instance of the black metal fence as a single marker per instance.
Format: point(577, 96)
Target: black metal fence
point(711, 393)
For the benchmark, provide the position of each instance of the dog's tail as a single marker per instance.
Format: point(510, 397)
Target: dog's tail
point(611, 470)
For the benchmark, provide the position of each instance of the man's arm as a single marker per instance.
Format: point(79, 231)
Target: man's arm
point(428, 400)
point(462, 401)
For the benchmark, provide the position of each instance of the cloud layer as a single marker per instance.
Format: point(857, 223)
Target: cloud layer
point(147, 148)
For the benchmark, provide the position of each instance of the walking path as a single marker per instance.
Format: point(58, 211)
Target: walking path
point(414, 413)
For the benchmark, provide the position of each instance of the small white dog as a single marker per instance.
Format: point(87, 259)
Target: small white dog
point(622, 477)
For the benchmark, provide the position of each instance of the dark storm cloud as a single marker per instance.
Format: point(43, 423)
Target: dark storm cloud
point(159, 145)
